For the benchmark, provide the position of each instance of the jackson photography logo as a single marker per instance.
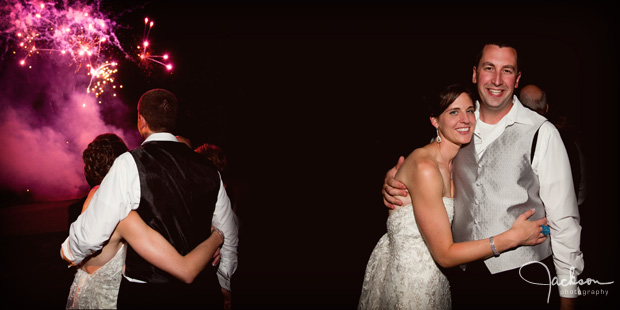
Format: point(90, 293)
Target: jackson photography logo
point(572, 280)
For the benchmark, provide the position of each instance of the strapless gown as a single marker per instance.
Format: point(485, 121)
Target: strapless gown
point(401, 273)
point(98, 290)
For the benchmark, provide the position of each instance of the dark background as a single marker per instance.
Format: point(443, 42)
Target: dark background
point(313, 103)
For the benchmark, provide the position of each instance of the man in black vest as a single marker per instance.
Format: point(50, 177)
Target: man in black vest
point(176, 192)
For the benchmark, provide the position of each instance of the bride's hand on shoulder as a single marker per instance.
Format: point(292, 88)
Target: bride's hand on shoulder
point(528, 232)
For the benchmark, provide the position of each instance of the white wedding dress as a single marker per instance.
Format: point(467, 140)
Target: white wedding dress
point(401, 273)
point(98, 290)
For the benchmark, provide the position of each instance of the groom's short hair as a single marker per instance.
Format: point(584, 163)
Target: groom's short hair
point(501, 44)
point(159, 108)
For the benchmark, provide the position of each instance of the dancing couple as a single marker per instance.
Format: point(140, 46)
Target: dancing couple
point(149, 230)
point(478, 197)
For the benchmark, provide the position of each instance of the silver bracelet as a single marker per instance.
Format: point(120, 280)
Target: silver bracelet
point(221, 233)
point(493, 247)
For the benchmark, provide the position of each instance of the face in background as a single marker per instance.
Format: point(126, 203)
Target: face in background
point(496, 77)
point(457, 122)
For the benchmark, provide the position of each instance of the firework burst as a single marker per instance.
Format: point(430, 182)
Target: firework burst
point(74, 32)
point(145, 54)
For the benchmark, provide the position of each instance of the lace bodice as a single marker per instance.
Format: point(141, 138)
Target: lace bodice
point(402, 221)
point(98, 290)
point(401, 273)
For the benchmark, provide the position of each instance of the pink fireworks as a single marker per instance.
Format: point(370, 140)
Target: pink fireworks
point(76, 32)
point(145, 54)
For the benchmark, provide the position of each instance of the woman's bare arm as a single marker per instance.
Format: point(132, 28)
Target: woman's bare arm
point(155, 249)
point(425, 184)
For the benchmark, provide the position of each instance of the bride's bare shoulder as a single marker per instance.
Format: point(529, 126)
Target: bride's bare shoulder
point(423, 155)
point(421, 160)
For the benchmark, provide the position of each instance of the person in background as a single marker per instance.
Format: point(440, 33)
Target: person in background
point(217, 157)
point(536, 99)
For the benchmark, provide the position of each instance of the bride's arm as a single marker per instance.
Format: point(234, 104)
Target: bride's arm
point(155, 249)
point(424, 181)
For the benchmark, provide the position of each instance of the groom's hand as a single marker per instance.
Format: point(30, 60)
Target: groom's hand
point(63, 247)
point(393, 188)
point(567, 303)
point(216, 257)
point(227, 298)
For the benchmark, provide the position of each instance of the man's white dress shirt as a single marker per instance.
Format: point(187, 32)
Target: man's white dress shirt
point(119, 193)
point(557, 192)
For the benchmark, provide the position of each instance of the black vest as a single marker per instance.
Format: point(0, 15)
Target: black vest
point(178, 192)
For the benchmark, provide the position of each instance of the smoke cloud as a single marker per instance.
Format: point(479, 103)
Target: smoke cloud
point(47, 120)
point(51, 107)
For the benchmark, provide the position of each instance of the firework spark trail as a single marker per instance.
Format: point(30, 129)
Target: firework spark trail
point(76, 31)
point(146, 55)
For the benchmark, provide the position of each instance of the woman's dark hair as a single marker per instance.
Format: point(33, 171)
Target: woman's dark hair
point(445, 98)
point(215, 154)
point(99, 156)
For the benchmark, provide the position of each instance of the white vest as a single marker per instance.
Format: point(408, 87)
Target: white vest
point(492, 191)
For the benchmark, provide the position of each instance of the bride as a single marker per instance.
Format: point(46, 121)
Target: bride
point(402, 271)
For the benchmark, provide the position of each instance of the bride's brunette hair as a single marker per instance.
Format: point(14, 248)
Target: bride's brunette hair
point(446, 97)
point(99, 156)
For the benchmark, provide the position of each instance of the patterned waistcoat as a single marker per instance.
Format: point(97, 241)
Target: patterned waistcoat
point(492, 191)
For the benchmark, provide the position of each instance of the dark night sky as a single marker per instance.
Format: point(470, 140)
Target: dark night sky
point(313, 103)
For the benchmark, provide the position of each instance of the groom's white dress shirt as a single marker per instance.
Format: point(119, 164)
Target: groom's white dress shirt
point(551, 164)
point(119, 193)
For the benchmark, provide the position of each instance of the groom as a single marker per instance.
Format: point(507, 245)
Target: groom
point(177, 194)
point(502, 172)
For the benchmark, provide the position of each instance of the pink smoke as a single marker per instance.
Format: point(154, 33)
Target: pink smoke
point(50, 106)
point(43, 156)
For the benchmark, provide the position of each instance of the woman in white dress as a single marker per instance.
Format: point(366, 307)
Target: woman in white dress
point(97, 279)
point(402, 271)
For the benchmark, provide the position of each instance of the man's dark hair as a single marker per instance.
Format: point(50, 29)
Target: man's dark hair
point(159, 108)
point(500, 44)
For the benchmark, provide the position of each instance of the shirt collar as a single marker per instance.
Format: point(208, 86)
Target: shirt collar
point(517, 114)
point(520, 114)
point(161, 136)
